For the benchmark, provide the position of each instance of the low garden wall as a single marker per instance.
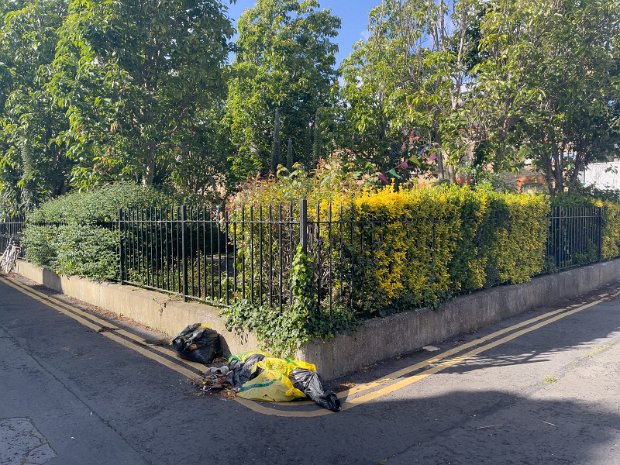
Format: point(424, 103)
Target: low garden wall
point(376, 340)
point(161, 312)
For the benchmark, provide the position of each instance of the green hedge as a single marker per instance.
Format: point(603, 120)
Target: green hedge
point(611, 230)
point(445, 241)
point(393, 250)
point(75, 234)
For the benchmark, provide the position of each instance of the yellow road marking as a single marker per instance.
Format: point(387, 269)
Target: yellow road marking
point(458, 359)
point(548, 318)
point(103, 323)
point(109, 334)
point(437, 358)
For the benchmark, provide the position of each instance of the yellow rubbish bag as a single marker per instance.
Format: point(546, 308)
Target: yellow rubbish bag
point(244, 356)
point(273, 383)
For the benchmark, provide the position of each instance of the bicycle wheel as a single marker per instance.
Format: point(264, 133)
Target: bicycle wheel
point(9, 259)
point(4, 260)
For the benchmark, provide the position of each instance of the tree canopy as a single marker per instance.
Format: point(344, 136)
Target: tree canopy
point(158, 93)
point(282, 76)
point(139, 82)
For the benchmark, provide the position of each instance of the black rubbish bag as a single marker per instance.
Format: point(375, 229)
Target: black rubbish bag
point(244, 371)
point(198, 343)
point(310, 383)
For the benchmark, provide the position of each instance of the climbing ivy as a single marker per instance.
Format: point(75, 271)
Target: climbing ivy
point(283, 331)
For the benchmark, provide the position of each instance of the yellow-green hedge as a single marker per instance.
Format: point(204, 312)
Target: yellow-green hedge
point(611, 230)
point(424, 245)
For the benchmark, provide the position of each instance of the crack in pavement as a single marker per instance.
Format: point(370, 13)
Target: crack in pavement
point(73, 393)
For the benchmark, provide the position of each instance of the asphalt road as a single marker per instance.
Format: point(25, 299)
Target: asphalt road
point(69, 395)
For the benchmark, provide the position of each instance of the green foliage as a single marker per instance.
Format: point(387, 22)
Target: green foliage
point(468, 265)
point(503, 84)
point(40, 242)
point(611, 230)
point(87, 250)
point(33, 161)
point(424, 246)
point(546, 84)
point(332, 178)
point(99, 205)
point(140, 83)
point(401, 250)
point(516, 230)
point(281, 78)
point(410, 75)
point(283, 331)
point(98, 91)
point(75, 234)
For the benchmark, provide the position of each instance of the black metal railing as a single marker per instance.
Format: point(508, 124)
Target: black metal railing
point(10, 228)
point(220, 257)
point(194, 252)
point(575, 237)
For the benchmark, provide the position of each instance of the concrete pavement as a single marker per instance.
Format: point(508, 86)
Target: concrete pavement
point(548, 396)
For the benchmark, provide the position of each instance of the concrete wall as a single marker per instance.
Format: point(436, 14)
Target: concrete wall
point(385, 338)
point(378, 339)
point(162, 312)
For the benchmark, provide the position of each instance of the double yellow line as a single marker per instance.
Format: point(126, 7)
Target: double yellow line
point(358, 395)
point(157, 353)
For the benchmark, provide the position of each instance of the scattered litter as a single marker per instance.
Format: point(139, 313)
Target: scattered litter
point(260, 376)
point(344, 387)
point(198, 343)
point(431, 348)
point(489, 426)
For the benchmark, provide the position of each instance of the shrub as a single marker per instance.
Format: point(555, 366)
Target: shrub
point(332, 179)
point(99, 205)
point(425, 245)
point(392, 250)
point(75, 234)
point(282, 331)
point(410, 237)
point(515, 233)
point(611, 230)
point(468, 265)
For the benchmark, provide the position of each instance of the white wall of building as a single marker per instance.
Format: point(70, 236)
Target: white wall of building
point(602, 175)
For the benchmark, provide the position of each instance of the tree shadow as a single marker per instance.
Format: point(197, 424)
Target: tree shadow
point(581, 330)
point(488, 427)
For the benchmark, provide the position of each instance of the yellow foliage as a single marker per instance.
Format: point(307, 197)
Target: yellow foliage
point(611, 231)
point(423, 245)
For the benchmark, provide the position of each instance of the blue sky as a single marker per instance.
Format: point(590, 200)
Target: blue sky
point(353, 13)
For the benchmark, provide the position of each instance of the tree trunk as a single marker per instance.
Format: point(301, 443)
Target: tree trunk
point(289, 154)
point(557, 171)
point(579, 166)
point(549, 178)
point(275, 148)
point(149, 170)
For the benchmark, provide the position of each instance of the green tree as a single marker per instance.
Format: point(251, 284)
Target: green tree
point(285, 62)
point(141, 83)
point(487, 85)
point(548, 85)
point(32, 160)
point(408, 78)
